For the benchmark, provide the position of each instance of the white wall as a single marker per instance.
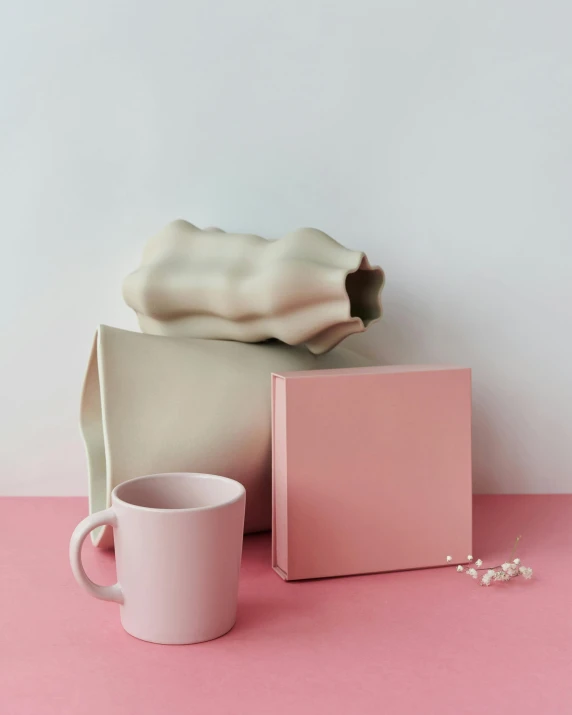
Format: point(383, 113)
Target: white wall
point(435, 135)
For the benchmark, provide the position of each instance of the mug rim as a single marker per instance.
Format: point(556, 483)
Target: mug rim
point(200, 475)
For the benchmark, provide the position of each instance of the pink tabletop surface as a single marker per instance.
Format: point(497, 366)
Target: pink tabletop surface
point(421, 642)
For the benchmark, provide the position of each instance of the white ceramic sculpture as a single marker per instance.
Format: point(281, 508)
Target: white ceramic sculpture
point(154, 404)
point(303, 288)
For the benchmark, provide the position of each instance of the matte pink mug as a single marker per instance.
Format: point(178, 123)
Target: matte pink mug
point(178, 546)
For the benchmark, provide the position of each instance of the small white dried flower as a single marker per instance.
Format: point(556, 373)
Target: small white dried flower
point(486, 579)
point(505, 572)
point(510, 569)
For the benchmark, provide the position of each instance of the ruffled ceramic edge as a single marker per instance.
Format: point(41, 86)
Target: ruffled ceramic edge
point(334, 334)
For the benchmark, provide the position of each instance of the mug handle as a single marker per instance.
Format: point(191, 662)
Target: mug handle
point(100, 518)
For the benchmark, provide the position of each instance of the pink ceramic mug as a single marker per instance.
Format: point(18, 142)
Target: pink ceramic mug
point(178, 546)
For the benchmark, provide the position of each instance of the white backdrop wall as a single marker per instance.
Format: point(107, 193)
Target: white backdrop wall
point(437, 136)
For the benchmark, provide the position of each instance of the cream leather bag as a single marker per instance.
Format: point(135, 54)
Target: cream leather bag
point(154, 404)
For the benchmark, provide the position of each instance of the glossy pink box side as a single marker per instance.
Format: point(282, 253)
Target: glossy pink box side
point(371, 470)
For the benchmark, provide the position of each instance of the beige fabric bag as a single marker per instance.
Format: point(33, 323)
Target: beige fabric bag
point(155, 404)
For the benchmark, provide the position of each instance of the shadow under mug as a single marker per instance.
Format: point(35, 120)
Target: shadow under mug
point(178, 547)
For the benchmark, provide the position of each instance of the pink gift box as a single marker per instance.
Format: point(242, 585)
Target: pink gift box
point(371, 469)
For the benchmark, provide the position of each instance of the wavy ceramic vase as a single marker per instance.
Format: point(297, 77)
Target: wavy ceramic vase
point(303, 288)
point(153, 404)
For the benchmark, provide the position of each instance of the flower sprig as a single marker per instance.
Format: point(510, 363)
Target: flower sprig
point(504, 572)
